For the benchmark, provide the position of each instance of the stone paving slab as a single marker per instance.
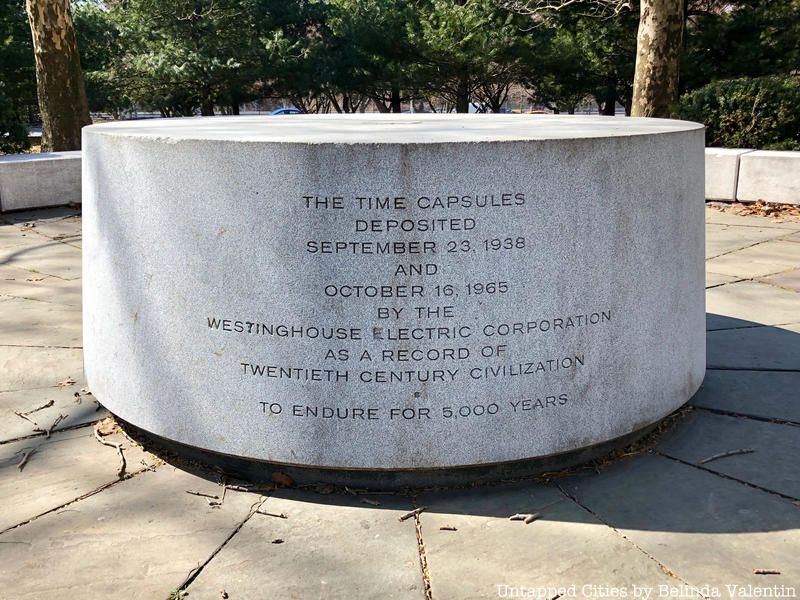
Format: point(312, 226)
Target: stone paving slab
point(14, 237)
point(757, 261)
point(21, 284)
point(725, 218)
point(772, 465)
point(60, 228)
point(68, 465)
point(789, 280)
point(47, 256)
point(721, 239)
point(332, 547)
point(755, 348)
point(753, 302)
point(24, 368)
point(566, 546)
point(765, 394)
point(76, 410)
point(706, 529)
point(32, 323)
point(66, 230)
point(138, 539)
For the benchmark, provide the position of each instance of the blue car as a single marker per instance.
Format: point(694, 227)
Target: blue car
point(287, 111)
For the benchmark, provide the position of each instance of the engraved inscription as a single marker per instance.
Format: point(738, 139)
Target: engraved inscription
point(432, 279)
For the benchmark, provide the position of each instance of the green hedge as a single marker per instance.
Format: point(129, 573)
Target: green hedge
point(761, 113)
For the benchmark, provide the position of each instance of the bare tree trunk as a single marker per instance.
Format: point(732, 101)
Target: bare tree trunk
point(658, 51)
point(608, 106)
point(396, 107)
point(207, 108)
point(60, 86)
point(234, 102)
point(462, 96)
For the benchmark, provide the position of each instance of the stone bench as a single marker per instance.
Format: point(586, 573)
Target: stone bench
point(722, 172)
point(769, 175)
point(39, 180)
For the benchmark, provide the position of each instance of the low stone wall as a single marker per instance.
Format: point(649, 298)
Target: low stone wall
point(732, 174)
point(769, 175)
point(39, 180)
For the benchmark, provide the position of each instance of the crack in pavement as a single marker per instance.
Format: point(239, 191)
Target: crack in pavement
point(792, 499)
point(423, 558)
point(777, 370)
point(89, 494)
point(664, 569)
point(194, 573)
point(716, 285)
point(731, 413)
point(755, 279)
point(38, 346)
point(753, 245)
point(753, 326)
point(765, 226)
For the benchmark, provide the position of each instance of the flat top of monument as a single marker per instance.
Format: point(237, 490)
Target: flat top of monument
point(375, 128)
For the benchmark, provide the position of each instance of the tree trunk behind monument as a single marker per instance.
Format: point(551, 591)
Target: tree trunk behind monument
point(60, 86)
point(658, 51)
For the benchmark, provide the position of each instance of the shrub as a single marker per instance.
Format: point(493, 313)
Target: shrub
point(13, 131)
point(761, 113)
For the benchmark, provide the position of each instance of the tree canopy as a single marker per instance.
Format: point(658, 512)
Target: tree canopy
point(210, 56)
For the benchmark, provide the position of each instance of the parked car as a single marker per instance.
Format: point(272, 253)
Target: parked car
point(287, 111)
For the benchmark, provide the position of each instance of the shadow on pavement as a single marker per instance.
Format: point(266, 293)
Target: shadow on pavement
point(642, 486)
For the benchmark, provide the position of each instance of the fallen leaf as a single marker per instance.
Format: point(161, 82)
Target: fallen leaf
point(66, 382)
point(107, 426)
point(281, 479)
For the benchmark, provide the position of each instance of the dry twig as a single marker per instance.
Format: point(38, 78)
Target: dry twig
point(726, 454)
point(25, 416)
point(531, 518)
point(49, 430)
point(269, 514)
point(412, 513)
point(47, 404)
point(25, 457)
point(118, 447)
point(196, 493)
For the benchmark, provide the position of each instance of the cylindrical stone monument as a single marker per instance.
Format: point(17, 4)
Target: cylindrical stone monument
point(394, 294)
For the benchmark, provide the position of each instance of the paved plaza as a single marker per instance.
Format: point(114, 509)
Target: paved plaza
point(709, 504)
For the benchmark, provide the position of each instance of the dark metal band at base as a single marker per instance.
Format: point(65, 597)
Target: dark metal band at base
point(253, 470)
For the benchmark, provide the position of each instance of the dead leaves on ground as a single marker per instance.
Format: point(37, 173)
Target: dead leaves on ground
point(760, 208)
